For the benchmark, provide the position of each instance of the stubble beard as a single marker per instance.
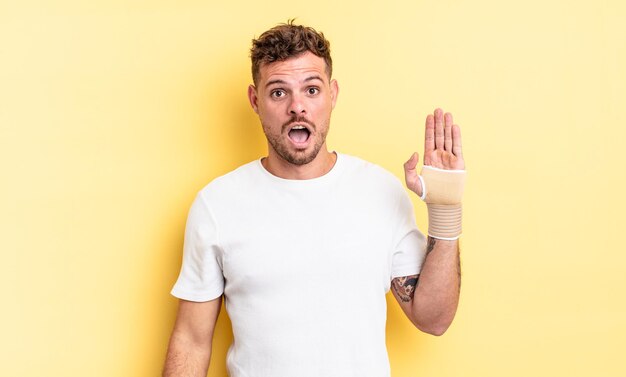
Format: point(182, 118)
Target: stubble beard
point(298, 157)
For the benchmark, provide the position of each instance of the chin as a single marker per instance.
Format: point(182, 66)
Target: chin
point(301, 159)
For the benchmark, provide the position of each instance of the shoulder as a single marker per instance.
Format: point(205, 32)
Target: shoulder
point(233, 183)
point(370, 174)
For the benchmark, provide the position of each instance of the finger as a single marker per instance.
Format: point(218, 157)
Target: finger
point(429, 141)
point(410, 174)
point(447, 132)
point(439, 129)
point(411, 163)
point(457, 147)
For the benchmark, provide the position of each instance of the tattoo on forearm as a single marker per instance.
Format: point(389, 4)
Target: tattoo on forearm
point(405, 286)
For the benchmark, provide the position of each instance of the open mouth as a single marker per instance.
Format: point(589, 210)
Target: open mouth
point(299, 134)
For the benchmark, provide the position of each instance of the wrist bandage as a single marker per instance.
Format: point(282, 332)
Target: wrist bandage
point(443, 193)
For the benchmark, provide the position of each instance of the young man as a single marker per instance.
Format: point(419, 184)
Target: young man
point(303, 244)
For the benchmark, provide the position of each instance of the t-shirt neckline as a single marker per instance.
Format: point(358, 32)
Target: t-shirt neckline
point(334, 170)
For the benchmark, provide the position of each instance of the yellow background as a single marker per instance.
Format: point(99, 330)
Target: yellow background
point(113, 114)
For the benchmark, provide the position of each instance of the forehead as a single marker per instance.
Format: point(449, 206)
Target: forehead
point(294, 69)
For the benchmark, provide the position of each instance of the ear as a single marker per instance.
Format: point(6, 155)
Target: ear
point(252, 97)
point(334, 92)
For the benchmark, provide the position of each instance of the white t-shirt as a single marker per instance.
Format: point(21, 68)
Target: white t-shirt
point(304, 266)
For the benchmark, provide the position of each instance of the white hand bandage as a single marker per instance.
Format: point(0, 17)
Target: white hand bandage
point(443, 193)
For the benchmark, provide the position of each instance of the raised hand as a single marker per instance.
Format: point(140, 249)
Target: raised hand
point(442, 149)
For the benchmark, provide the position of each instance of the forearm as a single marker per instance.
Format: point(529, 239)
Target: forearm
point(437, 293)
point(440, 185)
point(186, 358)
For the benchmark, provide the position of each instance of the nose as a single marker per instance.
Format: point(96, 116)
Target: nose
point(297, 106)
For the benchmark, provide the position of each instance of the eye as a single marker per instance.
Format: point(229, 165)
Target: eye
point(312, 91)
point(278, 93)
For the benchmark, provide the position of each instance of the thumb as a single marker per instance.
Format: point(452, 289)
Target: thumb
point(410, 175)
point(411, 163)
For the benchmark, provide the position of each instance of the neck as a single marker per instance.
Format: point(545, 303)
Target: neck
point(322, 164)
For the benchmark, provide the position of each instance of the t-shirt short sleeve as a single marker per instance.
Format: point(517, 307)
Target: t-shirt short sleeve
point(201, 278)
point(409, 245)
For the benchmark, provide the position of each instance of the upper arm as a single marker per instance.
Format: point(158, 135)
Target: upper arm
point(403, 289)
point(196, 321)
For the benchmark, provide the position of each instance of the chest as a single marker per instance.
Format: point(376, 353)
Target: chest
point(295, 243)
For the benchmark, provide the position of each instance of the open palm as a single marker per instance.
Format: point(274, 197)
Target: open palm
point(442, 149)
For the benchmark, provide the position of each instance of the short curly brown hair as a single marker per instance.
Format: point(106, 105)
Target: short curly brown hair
point(285, 41)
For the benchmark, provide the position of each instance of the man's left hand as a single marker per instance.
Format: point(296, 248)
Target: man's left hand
point(442, 149)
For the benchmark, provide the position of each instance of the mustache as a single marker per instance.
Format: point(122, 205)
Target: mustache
point(298, 119)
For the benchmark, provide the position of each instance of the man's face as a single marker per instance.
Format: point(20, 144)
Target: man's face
point(294, 99)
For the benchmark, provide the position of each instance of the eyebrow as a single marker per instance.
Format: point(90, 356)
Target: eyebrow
point(279, 81)
point(311, 78)
point(275, 82)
